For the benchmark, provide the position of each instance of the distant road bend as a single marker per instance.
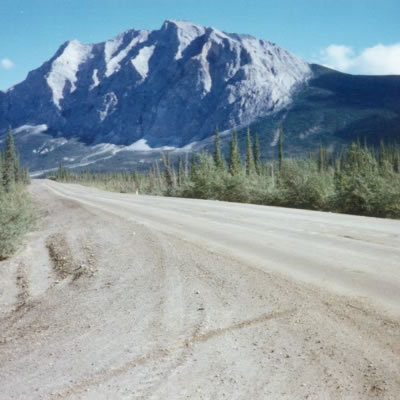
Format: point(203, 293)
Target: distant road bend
point(123, 296)
point(359, 256)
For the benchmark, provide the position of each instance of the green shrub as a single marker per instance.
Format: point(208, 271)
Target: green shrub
point(207, 181)
point(16, 217)
point(300, 184)
point(386, 201)
point(364, 187)
point(236, 188)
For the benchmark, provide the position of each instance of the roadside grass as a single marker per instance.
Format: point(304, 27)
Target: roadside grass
point(16, 219)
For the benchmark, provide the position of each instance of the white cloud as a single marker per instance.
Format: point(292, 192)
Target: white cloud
point(338, 57)
point(6, 63)
point(375, 60)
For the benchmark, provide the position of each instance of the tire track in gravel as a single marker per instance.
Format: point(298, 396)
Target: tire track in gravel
point(169, 316)
point(165, 354)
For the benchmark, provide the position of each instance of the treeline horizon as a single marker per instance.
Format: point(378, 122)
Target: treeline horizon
point(359, 180)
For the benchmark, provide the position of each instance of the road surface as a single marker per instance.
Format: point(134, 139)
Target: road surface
point(119, 296)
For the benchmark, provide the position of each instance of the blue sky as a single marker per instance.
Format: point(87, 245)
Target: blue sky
point(356, 36)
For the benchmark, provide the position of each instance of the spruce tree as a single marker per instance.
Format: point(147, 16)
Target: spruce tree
point(60, 174)
point(396, 158)
point(235, 164)
point(256, 153)
point(1, 170)
point(9, 163)
point(168, 173)
point(186, 167)
point(17, 168)
point(181, 172)
point(382, 153)
point(157, 173)
point(280, 147)
point(218, 158)
point(357, 182)
point(193, 166)
point(322, 159)
point(249, 156)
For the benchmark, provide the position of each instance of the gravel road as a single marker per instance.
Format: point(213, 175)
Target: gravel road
point(119, 296)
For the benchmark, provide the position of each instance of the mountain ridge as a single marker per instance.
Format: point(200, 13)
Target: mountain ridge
point(171, 88)
point(146, 77)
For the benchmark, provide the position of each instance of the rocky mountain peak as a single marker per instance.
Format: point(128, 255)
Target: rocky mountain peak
point(167, 87)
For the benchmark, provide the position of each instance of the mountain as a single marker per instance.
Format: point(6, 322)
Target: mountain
point(170, 86)
point(334, 109)
point(110, 103)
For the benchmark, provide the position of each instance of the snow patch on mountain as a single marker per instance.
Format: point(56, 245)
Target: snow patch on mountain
point(111, 47)
point(48, 145)
point(186, 33)
point(31, 129)
point(109, 103)
point(314, 129)
point(103, 148)
point(95, 78)
point(114, 55)
point(65, 68)
point(204, 76)
point(44, 150)
point(140, 145)
point(141, 61)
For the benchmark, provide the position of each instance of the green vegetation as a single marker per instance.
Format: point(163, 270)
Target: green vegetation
point(15, 207)
point(360, 180)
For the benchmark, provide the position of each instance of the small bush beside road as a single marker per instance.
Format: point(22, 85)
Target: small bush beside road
point(16, 215)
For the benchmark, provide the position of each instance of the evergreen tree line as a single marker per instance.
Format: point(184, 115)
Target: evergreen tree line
point(11, 173)
point(16, 215)
point(359, 180)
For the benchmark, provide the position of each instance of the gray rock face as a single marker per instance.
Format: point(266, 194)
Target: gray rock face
point(168, 87)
